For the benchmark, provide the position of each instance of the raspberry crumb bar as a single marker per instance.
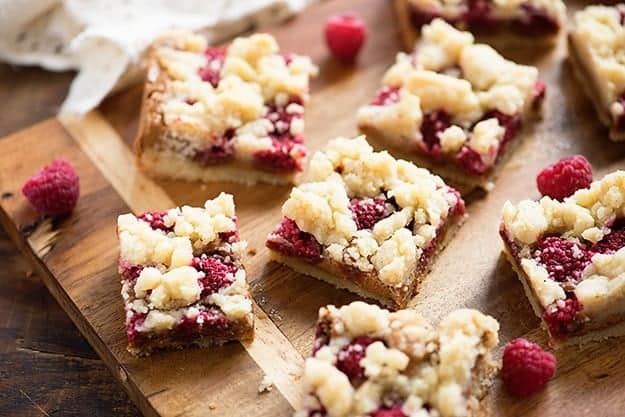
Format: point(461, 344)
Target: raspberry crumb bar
point(370, 362)
point(453, 106)
point(183, 282)
point(224, 114)
point(597, 48)
point(570, 257)
point(533, 20)
point(366, 222)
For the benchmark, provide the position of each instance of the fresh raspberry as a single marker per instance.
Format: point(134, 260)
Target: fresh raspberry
point(393, 411)
point(217, 273)
point(563, 178)
point(348, 359)
point(433, 124)
point(155, 218)
point(220, 150)
point(368, 211)
point(345, 34)
point(290, 240)
point(280, 157)
point(564, 259)
point(563, 316)
point(212, 71)
point(386, 96)
point(526, 367)
point(610, 243)
point(54, 190)
point(471, 161)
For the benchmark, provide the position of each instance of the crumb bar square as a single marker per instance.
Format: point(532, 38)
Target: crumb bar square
point(453, 106)
point(528, 20)
point(367, 361)
point(366, 222)
point(183, 282)
point(232, 113)
point(596, 51)
point(570, 258)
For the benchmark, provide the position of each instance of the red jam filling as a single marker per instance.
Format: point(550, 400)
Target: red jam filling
point(619, 120)
point(132, 322)
point(563, 259)
point(392, 411)
point(564, 316)
point(221, 150)
point(215, 58)
point(217, 273)
point(349, 357)
point(479, 17)
point(128, 271)
point(191, 327)
point(386, 96)
point(155, 219)
point(291, 241)
point(368, 211)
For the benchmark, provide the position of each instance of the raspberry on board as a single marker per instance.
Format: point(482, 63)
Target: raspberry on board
point(345, 34)
point(526, 367)
point(54, 190)
point(563, 178)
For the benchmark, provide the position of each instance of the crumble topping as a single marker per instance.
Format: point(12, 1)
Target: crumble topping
point(349, 169)
point(176, 264)
point(586, 270)
point(497, 8)
point(371, 359)
point(454, 87)
point(599, 38)
point(244, 101)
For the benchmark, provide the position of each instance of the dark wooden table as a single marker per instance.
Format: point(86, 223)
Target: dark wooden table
point(46, 367)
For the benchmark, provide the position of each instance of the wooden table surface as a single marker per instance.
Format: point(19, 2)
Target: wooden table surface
point(47, 369)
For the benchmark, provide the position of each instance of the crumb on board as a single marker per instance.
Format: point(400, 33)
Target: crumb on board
point(212, 406)
point(251, 251)
point(265, 385)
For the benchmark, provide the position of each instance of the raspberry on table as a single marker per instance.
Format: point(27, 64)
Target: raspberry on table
point(54, 190)
point(345, 34)
point(526, 367)
point(566, 176)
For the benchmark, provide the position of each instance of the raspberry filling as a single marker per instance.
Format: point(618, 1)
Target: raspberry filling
point(133, 321)
point(348, 359)
point(220, 150)
point(611, 242)
point(291, 241)
point(433, 124)
point(128, 271)
point(368, 211)
point(217, 273)
point(564, 316)
point(155, 219)
point(386, 96)
point(191, 327)
point(480, 17)
point(215, 58)
point(392, 411)
point(619, 119)
point(563, 259)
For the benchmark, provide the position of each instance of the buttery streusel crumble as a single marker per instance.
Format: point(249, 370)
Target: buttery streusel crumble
point(597, 52)
point(570, 257)
point(540, 20)
point(224, 114)
point(453, 105)
point(183, 282)
point(367, 361)
point(366, 222)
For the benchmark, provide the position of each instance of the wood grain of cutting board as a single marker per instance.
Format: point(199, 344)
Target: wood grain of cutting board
point(77, 256)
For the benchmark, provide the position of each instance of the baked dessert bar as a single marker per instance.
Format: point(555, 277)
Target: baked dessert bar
point(182, 279)
point(366, 222)
point(531, 20)
point(453, 106)
point(597, 53)
point(570, 257)
point(370, 362)
point(223, 114)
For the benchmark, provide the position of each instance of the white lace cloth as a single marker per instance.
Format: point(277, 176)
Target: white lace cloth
point(105, 40)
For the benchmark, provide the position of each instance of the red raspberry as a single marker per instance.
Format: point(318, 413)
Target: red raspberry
point(54, 190)
point(563, 178)
point(345, 34)
point(155, 218)
point(217, 273)
point(526, 367)
point(610, 243)
point(367, 212)
point(393, 411)
point(386, 96)
point(290, 240)
point(564, 259)
point(563, 317)
point(348, 358)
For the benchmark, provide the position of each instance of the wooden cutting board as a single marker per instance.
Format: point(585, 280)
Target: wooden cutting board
point(77, 257)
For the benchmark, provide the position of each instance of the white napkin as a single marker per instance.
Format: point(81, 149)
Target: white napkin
point(105, 40)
